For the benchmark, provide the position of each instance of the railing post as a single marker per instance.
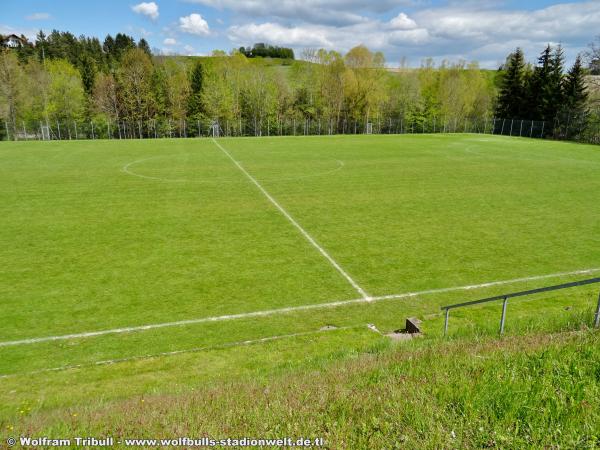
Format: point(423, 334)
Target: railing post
point(446, 322)
point(503, 318)
point(597, 318)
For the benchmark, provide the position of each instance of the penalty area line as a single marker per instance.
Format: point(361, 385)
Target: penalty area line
point(290, 309)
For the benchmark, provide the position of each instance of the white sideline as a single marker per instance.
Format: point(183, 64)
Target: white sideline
point(179, 352)
point(308, 237)
point(290, 309)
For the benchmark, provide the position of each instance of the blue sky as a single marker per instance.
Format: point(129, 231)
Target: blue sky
point(484, 30)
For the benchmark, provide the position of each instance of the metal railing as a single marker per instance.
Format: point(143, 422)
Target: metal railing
point(505, 298)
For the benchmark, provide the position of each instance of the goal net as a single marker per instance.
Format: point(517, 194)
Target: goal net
point(45, 132)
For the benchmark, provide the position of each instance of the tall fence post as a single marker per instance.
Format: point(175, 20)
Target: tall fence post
point(597, 318)
point(531, 131)
point(542, 133)
point(503, 318)
point(446, 322)
point(521, 129)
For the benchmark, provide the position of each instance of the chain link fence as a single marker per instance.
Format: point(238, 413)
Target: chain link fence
point(582, 128)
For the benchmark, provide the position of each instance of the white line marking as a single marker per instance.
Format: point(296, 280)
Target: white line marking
point(308, 237)
point(491, 283)
point(179, 352)
point(127, 169)
point(289, 309)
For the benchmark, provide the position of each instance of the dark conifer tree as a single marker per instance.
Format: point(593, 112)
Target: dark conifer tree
point(88, 69)
point(513, 96)
point(575, 89)
point(572, 118)
point(109, 45)
point(122, 43)
point(196, 83)
point(536, 85)
point(143, 44)
point(40, 45)
point(552, 93)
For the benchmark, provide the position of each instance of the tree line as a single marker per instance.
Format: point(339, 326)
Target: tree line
point(544, 91)
point(61, 80)
point(261, 50)
point(67, 79)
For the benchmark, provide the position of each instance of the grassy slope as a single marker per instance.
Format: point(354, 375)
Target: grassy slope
point(89, 247)
point(535, 391)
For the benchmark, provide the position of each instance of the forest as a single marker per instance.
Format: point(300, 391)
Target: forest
point(119, 87)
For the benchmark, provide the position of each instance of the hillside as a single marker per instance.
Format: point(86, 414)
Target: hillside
point(541, 390)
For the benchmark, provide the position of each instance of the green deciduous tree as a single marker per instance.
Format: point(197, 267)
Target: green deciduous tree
point(66, 99)
point(134, 79)
point(11, 94)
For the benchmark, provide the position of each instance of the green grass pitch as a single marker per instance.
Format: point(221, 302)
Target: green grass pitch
point(104, 235)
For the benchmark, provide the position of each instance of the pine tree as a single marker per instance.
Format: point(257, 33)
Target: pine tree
point(40, 46)
point(143, 44)
point(195, 99)
point(88, 70)
point(573, 117)
point(536, 84)
point(574, 88)
point(552, 92)
point(122, 44)
point(513, 96)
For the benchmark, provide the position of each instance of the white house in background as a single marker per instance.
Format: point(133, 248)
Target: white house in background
point(12, 41)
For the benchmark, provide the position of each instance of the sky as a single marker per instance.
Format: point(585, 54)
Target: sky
point(410, 30)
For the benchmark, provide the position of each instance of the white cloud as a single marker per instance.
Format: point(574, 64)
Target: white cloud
point(170, 41)
point(482, 30)
point(311, 36)
point(194, 24)
point(38, 16)
point(146, 9)
point(557, 22)
point(417, 36)
point(403, 22)
point(332, 12)
point(264, 6)
point(373, 33)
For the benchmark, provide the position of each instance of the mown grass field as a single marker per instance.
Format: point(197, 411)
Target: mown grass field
point(102, 235)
